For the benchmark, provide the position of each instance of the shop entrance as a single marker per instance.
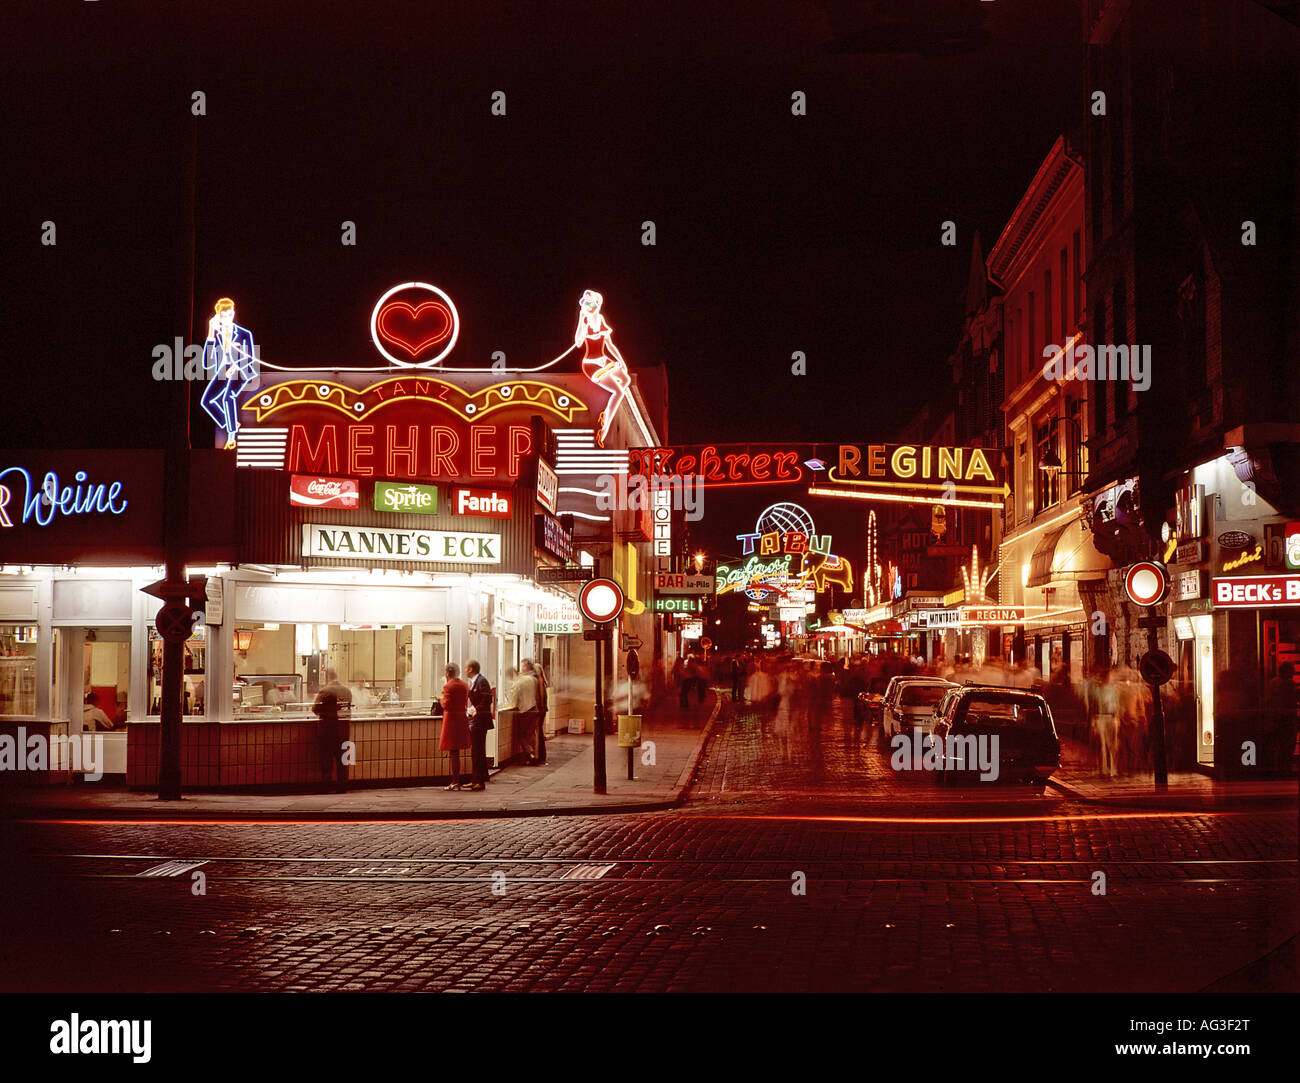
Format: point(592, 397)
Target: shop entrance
point(433, 660)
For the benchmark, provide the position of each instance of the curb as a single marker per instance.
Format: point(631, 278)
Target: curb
point(1176, 803)
point(82, 815)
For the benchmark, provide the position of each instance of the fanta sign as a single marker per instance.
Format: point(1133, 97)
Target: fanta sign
point(481, 502)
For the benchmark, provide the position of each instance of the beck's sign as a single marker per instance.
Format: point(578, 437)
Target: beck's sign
point(1255, 591)
point(383, 543)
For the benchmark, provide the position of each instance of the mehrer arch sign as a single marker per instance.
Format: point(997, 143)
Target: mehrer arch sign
point(910, 473)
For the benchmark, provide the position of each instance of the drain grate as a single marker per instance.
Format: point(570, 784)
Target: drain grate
point(171, 868)
point(587, 872)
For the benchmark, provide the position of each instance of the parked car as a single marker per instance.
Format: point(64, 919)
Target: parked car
point(893, 686)
point(867, 705)
point(1028, 747)
point(913, 705)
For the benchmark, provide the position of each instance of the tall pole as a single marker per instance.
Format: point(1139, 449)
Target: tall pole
point(1157, 721)
point(599, 784)
point(176, 485)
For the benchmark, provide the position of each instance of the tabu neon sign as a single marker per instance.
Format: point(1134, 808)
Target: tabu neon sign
point(40, 504)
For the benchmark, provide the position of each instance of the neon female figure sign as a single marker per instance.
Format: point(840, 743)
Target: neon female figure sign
point(602, 364)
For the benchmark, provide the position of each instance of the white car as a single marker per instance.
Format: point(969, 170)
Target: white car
point(913, 704)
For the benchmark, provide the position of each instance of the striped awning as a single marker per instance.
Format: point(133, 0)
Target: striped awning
point(1066, 554)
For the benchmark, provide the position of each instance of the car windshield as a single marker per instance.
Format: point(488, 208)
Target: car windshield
point(922, 695)
point(995, 712)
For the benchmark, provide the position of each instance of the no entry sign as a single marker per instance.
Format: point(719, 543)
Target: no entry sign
point(1146, 582)
point(601, 600)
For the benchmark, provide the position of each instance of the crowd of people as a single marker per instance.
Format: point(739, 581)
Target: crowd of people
point(467, 707)
point(1110, 711)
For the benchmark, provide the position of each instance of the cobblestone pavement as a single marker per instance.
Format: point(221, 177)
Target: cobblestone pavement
point(906, 888)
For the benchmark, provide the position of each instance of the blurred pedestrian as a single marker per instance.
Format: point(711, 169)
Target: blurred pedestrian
point(527, 700)
point(1281, 700)
point(455, 720)
point(333, 708)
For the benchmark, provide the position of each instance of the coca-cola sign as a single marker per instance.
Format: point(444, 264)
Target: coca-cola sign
point(311, 491)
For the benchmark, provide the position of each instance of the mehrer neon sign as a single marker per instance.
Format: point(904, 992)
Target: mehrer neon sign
point(41, 504)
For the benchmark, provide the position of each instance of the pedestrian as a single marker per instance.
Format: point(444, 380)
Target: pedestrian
point(1281, 700)
point(480, 721)
point(679, 681)
point(455, 720)
point(543, 705)
point(526, 711)
point(737, 679)
point(333, 707)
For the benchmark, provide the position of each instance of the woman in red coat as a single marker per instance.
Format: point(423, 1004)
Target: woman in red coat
point(455, 720)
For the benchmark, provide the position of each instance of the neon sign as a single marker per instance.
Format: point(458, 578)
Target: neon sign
point(437, 452)
point(899, 464)
point(719, 465)
point(784, 528)
point(1247, 557)
point(424, 319)
point(602, 364)
point(751, 576)
point(527, 394)
point(41, 504)
point(231, 357)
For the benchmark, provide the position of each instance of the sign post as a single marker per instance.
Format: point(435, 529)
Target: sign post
point(601, 601)
point(1147, 583)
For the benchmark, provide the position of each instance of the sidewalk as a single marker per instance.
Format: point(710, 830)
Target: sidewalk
point(563, 785)
point(1078, 777)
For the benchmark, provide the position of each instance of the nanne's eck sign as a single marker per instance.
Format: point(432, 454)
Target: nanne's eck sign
point(376, 543)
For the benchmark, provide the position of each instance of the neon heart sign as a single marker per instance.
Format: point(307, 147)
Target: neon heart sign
point(431, 319)
point(420, 321)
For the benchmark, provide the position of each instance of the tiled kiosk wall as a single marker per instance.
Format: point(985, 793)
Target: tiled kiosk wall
point(248, 754)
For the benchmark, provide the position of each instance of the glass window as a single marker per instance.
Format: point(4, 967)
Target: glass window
point(1045, 485)
point(279, 668)
point(106, 672)
point(194, 681)
point(18, 669)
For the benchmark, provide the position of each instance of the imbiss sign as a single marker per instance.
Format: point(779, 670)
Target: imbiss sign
point(371, 543)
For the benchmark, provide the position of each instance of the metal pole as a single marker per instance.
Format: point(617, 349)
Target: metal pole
point(1157, 722)
point(176, 485)
point(599, 784)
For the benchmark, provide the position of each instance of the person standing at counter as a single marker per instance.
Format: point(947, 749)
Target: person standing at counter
point(455, 720)
point(480, 721)
point(526, 706)
point(333, 707)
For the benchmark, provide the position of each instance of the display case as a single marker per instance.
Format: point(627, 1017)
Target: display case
point(269, 693)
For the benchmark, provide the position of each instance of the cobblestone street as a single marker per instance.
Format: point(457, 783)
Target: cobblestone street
point(826, 872)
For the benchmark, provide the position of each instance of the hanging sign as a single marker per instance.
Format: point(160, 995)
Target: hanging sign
point(381, 543)
point(421, 499)
point(560, 617)
point(311, 491)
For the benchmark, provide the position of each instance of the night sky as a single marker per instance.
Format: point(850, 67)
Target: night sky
point(775, 233)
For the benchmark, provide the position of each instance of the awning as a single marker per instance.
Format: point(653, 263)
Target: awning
point(1066, 554)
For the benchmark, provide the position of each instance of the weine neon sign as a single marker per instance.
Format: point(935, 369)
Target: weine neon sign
point(40, 504)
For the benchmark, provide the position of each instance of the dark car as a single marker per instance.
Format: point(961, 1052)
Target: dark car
point(1027, 745)
point(867, 704)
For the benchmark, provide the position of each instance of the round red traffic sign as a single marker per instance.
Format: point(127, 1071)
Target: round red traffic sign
point(1156, 667)
point(1146, 582)
point(706, 642)
point(174, 621)
point(601, 600)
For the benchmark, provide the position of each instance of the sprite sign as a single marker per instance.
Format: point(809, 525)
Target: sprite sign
point(392, 496)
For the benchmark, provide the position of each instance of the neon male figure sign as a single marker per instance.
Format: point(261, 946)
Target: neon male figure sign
point(602, 364)
point(231, 357)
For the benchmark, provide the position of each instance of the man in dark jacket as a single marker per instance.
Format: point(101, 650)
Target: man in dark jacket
point(480, 721)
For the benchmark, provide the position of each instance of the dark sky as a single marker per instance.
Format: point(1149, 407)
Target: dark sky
point(775, 233)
